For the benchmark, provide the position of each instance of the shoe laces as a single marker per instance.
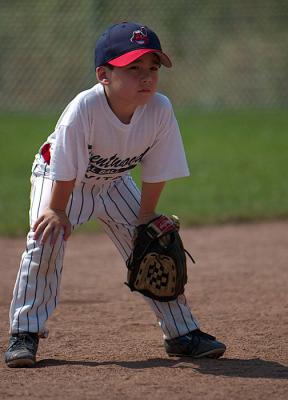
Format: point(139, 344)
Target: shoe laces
point(23, 341)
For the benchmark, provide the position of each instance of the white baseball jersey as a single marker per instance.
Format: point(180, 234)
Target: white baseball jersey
point(91, 145)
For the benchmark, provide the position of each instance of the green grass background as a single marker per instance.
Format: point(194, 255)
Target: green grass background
point(238, 162)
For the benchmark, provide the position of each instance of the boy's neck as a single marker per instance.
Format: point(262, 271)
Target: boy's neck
point(124, 112)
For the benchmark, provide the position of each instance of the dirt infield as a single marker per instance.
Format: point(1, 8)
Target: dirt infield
point(104, 342)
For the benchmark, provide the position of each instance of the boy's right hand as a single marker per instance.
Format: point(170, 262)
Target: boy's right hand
point(50, 223)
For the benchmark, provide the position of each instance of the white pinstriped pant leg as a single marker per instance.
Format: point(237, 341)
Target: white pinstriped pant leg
point(120, 207)
point(37, 287)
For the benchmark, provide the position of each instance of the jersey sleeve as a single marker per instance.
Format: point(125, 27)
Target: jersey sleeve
point(69, 153)
point(166, 158)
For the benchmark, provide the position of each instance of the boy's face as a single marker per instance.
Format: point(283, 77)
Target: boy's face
point(135, 83)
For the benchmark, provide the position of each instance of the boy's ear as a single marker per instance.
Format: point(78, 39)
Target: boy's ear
point(101, 75)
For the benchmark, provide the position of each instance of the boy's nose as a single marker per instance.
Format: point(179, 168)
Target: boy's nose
point(146, 76)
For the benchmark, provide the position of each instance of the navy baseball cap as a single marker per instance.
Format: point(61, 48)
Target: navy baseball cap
point(123, 43)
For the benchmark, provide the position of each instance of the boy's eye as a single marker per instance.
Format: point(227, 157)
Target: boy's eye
point(137, 67)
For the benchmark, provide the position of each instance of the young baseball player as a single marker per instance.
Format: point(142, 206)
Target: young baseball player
point(82, 172)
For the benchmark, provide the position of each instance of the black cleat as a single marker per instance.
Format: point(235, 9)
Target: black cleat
point(22, 349)
point(196, 344)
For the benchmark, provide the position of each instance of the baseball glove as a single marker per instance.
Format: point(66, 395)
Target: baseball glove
point(157, 265)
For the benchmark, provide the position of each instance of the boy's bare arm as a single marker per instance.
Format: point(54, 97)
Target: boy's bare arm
point(149, 198)
point(54, 217)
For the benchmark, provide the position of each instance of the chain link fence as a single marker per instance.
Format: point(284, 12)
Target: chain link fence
point(225, 53)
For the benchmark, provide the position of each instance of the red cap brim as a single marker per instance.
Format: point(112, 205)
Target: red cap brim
point(131, 56)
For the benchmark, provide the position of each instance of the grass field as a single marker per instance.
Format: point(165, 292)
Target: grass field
point(238, 162)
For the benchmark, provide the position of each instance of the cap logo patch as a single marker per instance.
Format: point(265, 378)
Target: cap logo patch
point(140, 36)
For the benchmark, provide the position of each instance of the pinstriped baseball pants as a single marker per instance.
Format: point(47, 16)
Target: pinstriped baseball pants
point(116, 206)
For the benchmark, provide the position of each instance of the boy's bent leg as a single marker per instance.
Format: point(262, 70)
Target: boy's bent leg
point(37, 284)
point(120, 208)
point(37, 287)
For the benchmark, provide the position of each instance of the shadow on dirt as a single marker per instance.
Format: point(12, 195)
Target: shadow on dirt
point(251, 368)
